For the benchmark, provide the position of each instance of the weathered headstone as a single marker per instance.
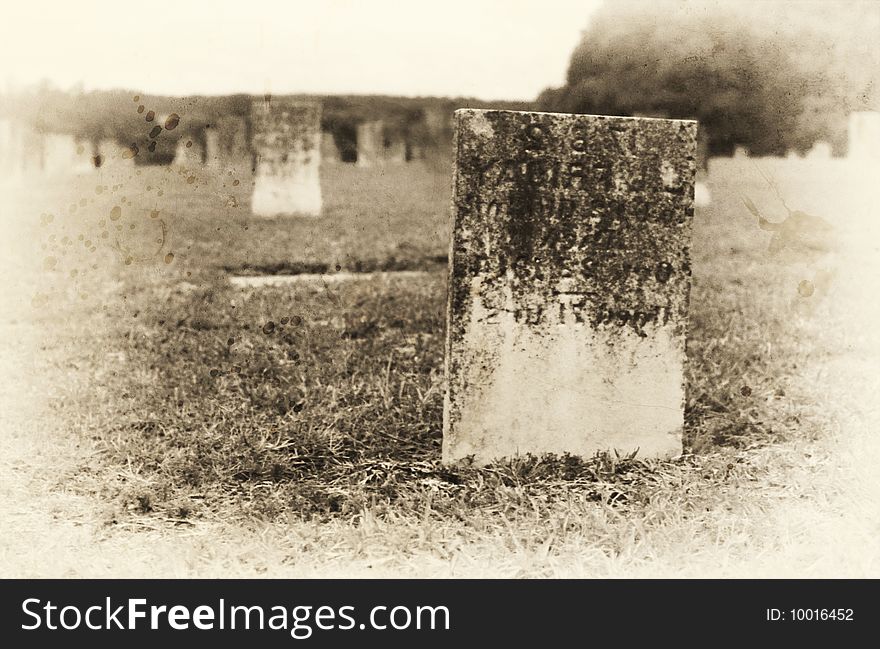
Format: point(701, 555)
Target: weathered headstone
point(393, 148)
point(111, 154)
point(213, 155)
point(864, 135)
point(819, 151)
point(188, 152)
point(226, 144)
point(438, 122)
point(287, 144)
point(569, 284)
point(61, 156)
point(329, 150)
point(370, 143)
point(415, 150)
point(85, 156)
point(33, 150)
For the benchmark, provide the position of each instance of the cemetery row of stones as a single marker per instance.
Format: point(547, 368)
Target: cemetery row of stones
point(46, 131)
point(226, 141)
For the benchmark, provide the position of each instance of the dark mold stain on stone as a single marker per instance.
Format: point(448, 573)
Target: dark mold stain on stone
point(574, 207)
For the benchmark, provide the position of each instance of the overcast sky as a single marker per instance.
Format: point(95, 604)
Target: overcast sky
point(491, 49)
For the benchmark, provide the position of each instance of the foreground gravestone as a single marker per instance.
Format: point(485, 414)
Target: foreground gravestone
point(287, 144)
point(569, 284)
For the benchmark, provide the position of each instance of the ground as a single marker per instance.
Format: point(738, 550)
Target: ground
point(159, 422)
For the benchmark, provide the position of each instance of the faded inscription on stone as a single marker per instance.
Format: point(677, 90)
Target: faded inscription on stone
point(287, 145)
point(569, 284)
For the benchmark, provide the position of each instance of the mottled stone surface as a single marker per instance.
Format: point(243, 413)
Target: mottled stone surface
point(569, 284)
point(287, 146)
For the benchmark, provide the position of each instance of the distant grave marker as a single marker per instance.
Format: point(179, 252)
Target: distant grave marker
point(864, 135)
point(394, 150)
point(111, 154)
point(287, 144)
point(226, 144)
point(819, 151)
point(188, 152)
point(33, 150)
point(85, 156)
point(213, 156)
point(569, 284)
point(61, 154)
point(329, 150)
point(370, 143)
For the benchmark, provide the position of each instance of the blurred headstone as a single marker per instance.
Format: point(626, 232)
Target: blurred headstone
point(188, 152)
point(438, 123)
point(394, 150)
point(329, 150)
point(287, 144)
point(33, 150)
point(213, 156)
point(370, 143)
point(112, 154)
point(61, 156)
point(415, 150)
point(85, 156)
point(226, 144)
point(819, 151)
point(569, 284)
point(864, 135)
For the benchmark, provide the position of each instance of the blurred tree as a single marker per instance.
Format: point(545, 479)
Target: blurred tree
point(767, 75)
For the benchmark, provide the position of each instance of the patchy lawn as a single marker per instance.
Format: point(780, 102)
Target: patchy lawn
point(314, 414)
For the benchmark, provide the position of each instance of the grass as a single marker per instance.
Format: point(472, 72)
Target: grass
point(301, 407)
